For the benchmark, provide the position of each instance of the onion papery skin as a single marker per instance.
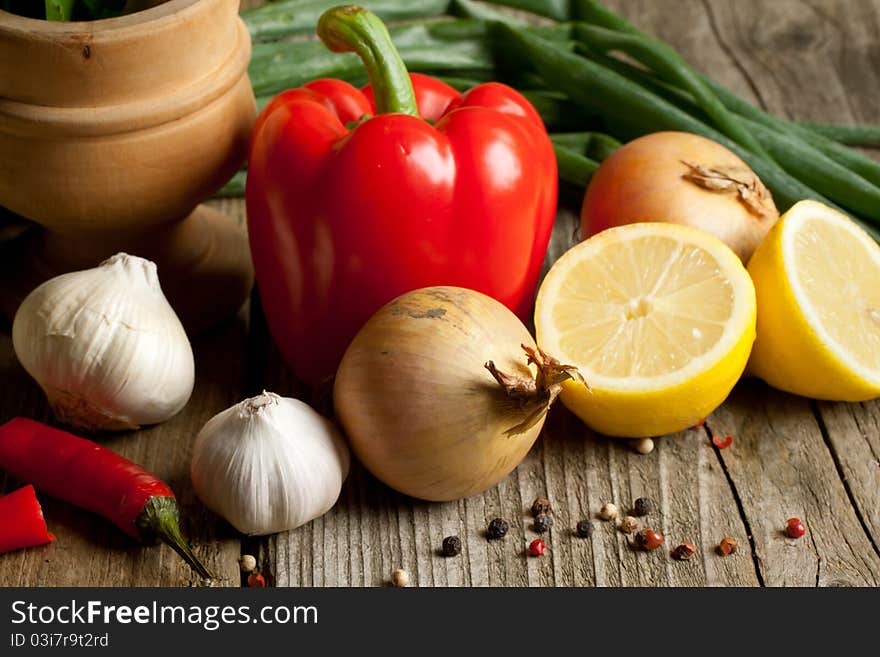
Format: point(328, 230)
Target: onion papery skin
point(419, 407)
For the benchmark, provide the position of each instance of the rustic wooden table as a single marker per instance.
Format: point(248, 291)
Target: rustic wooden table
point(807, 59)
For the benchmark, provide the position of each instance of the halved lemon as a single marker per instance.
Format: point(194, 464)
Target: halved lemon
point(660, 320)
point(817, 278)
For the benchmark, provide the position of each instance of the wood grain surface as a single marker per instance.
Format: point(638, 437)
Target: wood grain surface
point(806, 59)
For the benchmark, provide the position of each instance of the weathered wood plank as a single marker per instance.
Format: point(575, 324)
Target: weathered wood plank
point(811, 60)
point(853, 434)
point(564, 466)
point(782, 468)
point(583, 471)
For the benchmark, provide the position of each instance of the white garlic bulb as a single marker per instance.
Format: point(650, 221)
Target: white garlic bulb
point(269, 464)
point(106, 346)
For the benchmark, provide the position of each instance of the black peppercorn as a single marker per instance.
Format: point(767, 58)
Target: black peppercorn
point(543, 522)
point(643, 506)
point(585, 529)
point(451, 546)
point(497, 529)
point(541, 506)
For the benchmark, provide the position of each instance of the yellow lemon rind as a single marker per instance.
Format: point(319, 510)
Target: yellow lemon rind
point(792, 351)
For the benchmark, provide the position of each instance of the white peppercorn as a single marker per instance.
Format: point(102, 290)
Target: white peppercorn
point(400, 578)
point(608, 511)
point(644, 446)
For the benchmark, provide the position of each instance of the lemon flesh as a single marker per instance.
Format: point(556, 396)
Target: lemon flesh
point(817, 278)
point(660, 320)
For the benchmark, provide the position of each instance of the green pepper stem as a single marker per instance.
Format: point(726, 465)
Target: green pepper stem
point(354, 29)
point(160, 520)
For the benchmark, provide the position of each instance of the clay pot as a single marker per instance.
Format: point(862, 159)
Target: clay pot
point(112, 132)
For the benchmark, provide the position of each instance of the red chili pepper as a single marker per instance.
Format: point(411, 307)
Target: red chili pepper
point(355, 197)
point(699, 424)
point(23, 524)
point(90, 476)
point(722, 443)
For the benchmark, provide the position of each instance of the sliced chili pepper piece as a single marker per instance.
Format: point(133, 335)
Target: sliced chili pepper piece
point(23, 524)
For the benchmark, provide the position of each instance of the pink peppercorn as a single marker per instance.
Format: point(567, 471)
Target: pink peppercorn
point(794, 528)
point(537, 548)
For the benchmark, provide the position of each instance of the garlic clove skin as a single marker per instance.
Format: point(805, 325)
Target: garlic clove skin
point(269, 464)
point(106, 346)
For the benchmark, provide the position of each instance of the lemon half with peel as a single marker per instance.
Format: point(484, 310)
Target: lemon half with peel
point(817, 278)
point(660, 320)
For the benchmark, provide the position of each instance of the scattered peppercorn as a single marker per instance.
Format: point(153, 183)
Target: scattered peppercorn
point(497, 529)
point(794, 528)
point(451, 546)
point(727, 546)
point(256, 581)
point(585, 529)
point(537, 548)
point(543, 523)
point(247, 563)
point(400, 578)
point(541, 506)
point(643, 506)
point(648, 539)
point(608, 512)
point(644, 446)
point(684, 551)
point(628, 525)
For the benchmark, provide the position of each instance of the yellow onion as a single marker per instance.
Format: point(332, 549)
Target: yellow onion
point(680, 178)
point(443, 392)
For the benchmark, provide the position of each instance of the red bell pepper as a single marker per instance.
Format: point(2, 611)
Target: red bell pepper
point(22, 524)
point(355, 197)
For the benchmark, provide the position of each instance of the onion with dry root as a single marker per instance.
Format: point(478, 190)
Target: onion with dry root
point(443, 392)
point(680, 178)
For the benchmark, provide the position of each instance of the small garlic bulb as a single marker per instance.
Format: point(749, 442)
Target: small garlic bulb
point(269, 464)
point(106, 346)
